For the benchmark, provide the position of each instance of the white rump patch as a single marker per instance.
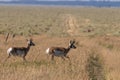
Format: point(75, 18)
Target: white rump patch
point(9, 50)
point(47, 51)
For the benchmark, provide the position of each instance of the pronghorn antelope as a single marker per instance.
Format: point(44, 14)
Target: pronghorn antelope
point(20, 51)
point(60, 51)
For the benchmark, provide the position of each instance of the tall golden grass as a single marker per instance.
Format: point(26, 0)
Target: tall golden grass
point(93, 59)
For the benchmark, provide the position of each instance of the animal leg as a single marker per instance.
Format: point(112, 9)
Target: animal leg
point(24, 59)
point(7, 57)
point(68, 57)
point(63, 58)
point(47, 56)
point(52, 57)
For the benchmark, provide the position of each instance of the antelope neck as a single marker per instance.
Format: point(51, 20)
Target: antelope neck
point(28, 48)
point(67, 50)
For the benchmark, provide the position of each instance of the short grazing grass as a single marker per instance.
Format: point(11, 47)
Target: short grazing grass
point(30, 20)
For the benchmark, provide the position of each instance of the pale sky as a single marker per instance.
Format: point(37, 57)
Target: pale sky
point(9, 0)
point(58, 0)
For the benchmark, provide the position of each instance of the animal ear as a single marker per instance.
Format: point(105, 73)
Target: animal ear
point(72, 41)
point(26, 39)
point(31, 39)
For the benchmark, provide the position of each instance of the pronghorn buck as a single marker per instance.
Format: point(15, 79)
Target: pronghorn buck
point(20, 51)
point(60, 51)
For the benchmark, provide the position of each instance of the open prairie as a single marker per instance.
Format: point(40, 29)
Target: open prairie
point(97, 35)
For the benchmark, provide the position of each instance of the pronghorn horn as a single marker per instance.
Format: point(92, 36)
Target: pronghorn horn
point(26, 39)
point(31, 39)
point(72, 41)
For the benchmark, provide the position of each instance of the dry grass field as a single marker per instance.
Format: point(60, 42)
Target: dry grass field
point(96, 31)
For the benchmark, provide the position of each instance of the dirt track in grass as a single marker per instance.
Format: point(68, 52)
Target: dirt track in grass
point(71, 23)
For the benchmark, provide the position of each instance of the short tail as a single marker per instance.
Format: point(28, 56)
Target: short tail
point(9, 50)
point(47, 50)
